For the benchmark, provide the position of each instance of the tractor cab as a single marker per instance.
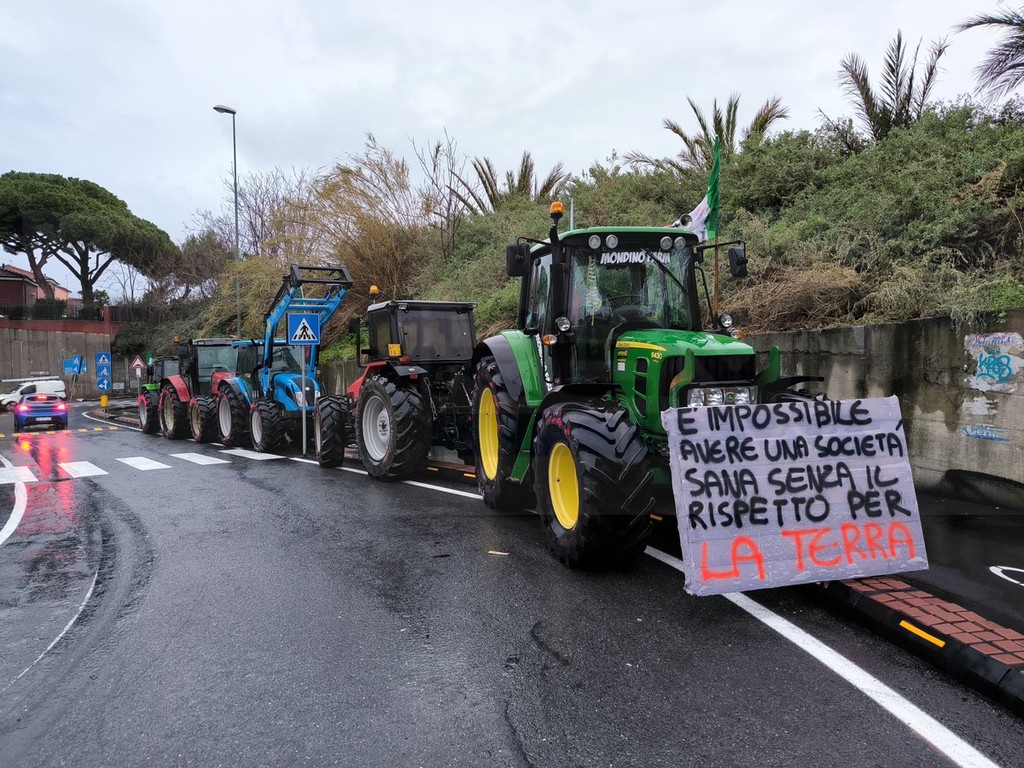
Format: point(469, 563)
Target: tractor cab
point(420, 332)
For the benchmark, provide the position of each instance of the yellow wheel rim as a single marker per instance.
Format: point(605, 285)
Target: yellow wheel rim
point(487, 427)
point(563, 487)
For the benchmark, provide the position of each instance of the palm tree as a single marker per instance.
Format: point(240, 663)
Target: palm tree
point(901, 99)
point(1003, 70)
point(698, 149)
point(489, 195)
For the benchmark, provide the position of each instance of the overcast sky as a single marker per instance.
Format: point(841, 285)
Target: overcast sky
point(121, 92)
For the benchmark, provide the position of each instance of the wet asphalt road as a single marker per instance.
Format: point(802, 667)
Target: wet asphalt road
point(272, 613)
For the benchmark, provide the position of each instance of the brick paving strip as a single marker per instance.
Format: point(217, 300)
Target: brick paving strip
point(985, 655)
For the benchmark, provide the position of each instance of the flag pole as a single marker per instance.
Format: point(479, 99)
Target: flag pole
point(714, 320)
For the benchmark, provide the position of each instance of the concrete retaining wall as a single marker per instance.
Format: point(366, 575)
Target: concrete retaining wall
point(962, 394)
point(43, 347)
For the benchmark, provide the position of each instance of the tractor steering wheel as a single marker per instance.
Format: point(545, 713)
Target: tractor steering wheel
point(628, 306)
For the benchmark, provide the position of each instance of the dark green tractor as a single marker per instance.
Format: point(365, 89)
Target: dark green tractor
point(567, 408)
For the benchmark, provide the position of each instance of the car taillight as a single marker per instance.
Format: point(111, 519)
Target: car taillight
point(22, 408)
point(61, 407)
point(39, 397)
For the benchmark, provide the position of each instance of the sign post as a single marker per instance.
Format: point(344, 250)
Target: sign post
point(304, 330)
point(138, 365)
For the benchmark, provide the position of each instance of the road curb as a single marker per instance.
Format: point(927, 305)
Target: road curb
point(978, 652)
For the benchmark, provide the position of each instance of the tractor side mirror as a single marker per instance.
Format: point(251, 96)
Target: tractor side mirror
point(353, 325)
point(738, 261)
point(517, 259)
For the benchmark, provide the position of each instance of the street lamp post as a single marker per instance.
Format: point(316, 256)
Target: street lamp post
point(234, 167)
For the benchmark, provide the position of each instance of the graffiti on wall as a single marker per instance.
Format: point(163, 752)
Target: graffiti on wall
point(998, 359)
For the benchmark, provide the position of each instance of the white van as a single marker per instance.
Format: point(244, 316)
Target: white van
point(42, 386)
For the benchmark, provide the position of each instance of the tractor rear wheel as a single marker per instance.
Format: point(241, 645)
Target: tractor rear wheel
point(330, 430)
point(202, 418)
point(392, 428)
point(149, 416)
point(594, 487)
point(232, 419)
point(495, 438)
point(173, 414)
point(266, 427)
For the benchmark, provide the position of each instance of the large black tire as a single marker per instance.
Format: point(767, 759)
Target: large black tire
point(173, 414)
point(232, 419)
point(330, 430)
point(594, 485)
point(392, 428)
point(266, 425)
point(149, 416)
point(202, 418)
point(496, 441)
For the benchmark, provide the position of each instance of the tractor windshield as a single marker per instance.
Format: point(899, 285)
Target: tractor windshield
point(214, 359)
point(612, 287)
point(287, 360)
point(434, 334)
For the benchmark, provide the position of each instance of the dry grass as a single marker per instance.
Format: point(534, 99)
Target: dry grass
point(792, 299)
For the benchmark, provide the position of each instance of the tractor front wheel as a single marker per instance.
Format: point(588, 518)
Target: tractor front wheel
point(232, 419)
point(266, 426)
point(149, 416)
point(173, 414)
point(202, 417)
point(496, 440)
point(392, 428)
point(594, 487)
point(330, 430)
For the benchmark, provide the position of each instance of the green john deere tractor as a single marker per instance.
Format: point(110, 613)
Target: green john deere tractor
point(567, 408)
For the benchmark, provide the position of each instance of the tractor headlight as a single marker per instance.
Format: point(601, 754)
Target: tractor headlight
point(745, 395)
point(725, 320)
point(594, 241)
point(680, 242)
point(612, 241)
point(666, 243)
point(300, 398)
point(562, 324)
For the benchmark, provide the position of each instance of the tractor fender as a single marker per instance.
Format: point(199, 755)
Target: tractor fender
point(501, 350)
point(178, 384)
point(240, 387)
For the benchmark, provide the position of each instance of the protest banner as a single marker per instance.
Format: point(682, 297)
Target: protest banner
point(788, 493)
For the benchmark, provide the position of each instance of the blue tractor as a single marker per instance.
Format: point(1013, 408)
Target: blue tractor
point(262, 404)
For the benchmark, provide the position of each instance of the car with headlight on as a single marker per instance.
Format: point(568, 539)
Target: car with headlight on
point(40, 410)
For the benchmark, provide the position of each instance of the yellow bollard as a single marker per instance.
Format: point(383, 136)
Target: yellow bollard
point(103, 401)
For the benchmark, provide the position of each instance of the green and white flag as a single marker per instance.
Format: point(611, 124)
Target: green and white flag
point(704, 218)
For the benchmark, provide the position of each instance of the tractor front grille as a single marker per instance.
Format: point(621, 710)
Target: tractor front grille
point(713, 369)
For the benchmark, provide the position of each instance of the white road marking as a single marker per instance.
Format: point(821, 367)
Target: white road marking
point(11, 474)
point(20, 501)
point(452, 491)
point(252, 454)
point(81, 469)
point(200, 458)
point(924, 725)
point(107, 421)
point(998, 571)
point(57, 639)
point(142, 463)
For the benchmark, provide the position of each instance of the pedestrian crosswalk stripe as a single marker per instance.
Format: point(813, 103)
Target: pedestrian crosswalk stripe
point(200, 458)
point(252, 454)
point(82, 469)
point(11, 475)
point(141, 462)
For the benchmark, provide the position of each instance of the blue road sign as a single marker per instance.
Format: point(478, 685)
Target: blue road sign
point(102, 358)
point(69, 367)
point(102, 371)
point(77, 365)
point(303, 328)
point(103, 385)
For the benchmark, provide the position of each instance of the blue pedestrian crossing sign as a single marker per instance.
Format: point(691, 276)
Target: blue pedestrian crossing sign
point(103, 385)
point(102, 358)
point(303, 328)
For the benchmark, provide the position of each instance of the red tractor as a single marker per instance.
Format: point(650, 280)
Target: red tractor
point(179, 400)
